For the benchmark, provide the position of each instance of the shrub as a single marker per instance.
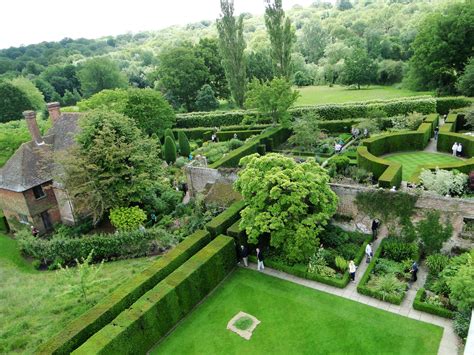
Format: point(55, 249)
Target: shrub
point(397, 250)
point(14, 102)
point(461, 323)
point(387, 285)
point(432, 233)
point(341, 263)
point(446, 104)
point(338, 165)
point(348, 251)
point(169, 150)
point(444, 182)
point(127, 218)
point(184, 147)
point(318, 265)
point(436, 263)
point(461, 286)
point(420, 305)
point(386, 266)
point(206, 99)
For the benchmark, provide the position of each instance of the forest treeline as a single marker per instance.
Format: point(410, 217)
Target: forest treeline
point(424, 45)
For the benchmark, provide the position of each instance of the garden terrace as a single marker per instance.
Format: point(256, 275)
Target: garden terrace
point(294, 319)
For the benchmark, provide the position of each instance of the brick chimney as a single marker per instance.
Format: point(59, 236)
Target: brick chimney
point(54, 111)
point(30, 117)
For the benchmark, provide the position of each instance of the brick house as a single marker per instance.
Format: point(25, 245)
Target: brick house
point(28, 193)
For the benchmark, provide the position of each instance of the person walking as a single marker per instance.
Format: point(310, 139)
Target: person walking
point(368, 253)
point(459, 149)
point(260, 266)
point(436, 132)
point(244, 253)
point(454, 148)
point(352, 270)
point(414, 271)
point(375, 227)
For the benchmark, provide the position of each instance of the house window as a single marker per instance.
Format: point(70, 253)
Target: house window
point(23, 218)
point(38, 192)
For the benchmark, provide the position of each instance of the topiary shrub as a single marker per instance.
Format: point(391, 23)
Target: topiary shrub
point(13, 102)
point(127, 218)
point(169, 150)
point(184, 148)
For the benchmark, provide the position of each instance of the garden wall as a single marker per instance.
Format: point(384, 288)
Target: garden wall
point(150, 318)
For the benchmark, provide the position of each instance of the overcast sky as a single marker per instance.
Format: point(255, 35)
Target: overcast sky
point(25, 22)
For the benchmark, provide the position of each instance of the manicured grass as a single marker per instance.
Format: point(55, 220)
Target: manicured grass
point(315, 95)
point(33, 304)
point(411, 161)
point(295, 320)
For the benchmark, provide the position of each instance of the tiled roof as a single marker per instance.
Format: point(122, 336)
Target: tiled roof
point(31, 165)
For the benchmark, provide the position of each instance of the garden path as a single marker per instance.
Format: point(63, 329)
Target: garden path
point(449, 341)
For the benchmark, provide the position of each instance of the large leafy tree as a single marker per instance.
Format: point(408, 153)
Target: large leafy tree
point(282, 37)
point(31, 91)
point(313, 41)
point(181, 75)
point(272, 99)
point(98, 74)
point(359, 68)
point(148, 108)
point(232, 46)
point(288, 201)
point(442, 47)
point(208, 50)
point(465, 83)
point(259, 65)
point(112, 165)
point(13, 102)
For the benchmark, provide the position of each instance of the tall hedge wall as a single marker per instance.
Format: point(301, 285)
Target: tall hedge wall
point(83, 327)
point(219, 224)
point(447, 139)
point(445, 104)
point(395, 142)
point(388, 173)
point(150, 318)
point(330, 112)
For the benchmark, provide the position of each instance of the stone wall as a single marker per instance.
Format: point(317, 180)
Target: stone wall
point(198, 178)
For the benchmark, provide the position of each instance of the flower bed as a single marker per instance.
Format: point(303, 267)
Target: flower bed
point(337, 243)
point(387, 275)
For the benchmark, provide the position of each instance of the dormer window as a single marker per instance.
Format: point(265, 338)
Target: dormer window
point(38, 192)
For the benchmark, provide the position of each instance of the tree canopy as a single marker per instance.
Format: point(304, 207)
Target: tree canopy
point(13, 102)
point(98, 74)
point(288, 201)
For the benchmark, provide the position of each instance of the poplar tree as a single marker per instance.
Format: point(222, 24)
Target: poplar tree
point(232, 46)
point(282, 37)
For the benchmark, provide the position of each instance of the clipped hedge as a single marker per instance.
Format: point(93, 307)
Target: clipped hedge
point(151, 317)
point(340, 126)
point(420, 305)
point(271, 138)
point(364, 290)
point(237, 233)
point(83, 327)
point(447, 139)
point(395, 142)
point(388, 173)
point(426, 129)
point(219, 224)
point(242, 135)
point(445, 104)
point(330, 112)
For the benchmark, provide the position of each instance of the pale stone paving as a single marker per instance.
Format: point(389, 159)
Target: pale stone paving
point(449, 342)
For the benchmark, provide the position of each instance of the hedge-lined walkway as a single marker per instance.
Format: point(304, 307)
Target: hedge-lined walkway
point(449, 341)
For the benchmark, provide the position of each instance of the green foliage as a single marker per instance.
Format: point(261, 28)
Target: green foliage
point(81, 279)
point(397, 250)
point(171, 298)
point(420, 303)
point(113, 165)
point(184, 147)
point(465, 82)
point(432, 233)
point(387, 285)
point(82, 328)
point(338, 165)
point(444, 182)
point(461, 323)
point(127, 218)
point(181, 75)
point(13, 102)
point(386, 206)
point(461, 286)
point(272, 99)
point(169, 150)
point(289, 201)
point(98, 74)
point(259, 65)
point(359, 68)
point(243, 323)
point(305, 133)
point(282, 38)
point(232, 46)
point(31, 91)
point(220, 223)
point(318, 265)
point(442, 47)
point(341, 263)
point(206, 99)
point(216, 151)
point(436, 263)
point(387, 266)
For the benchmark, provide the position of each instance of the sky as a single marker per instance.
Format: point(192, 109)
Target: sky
point(24, 22)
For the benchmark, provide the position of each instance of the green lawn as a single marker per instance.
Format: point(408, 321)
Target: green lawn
point(411, 161)
point(315, 95)
point(295, 320)
point(33, 304)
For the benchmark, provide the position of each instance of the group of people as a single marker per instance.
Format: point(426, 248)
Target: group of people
point(457, 149)
point(356, 133)
point(244, 254)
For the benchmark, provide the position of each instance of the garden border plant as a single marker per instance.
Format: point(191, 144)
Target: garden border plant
point(420, 305)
